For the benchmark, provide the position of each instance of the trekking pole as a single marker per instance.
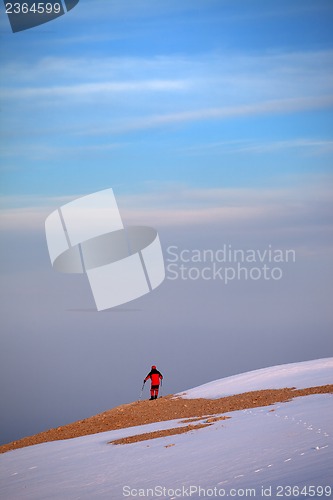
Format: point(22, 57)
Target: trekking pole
point(142, 390)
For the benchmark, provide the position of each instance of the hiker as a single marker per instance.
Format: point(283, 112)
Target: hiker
point(155, 377)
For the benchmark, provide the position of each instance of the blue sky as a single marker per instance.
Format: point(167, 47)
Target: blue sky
point(212, 122)
point(201, 93)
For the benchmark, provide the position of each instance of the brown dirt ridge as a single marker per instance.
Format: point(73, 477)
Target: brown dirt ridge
point(170, 432)
point(163, 409)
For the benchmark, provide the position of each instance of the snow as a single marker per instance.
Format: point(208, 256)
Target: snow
point(299, 375)
point(259, 450)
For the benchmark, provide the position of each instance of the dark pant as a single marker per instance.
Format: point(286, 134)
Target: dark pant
point(154, 391)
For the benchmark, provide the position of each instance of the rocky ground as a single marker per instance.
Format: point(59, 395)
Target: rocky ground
point(166, 408)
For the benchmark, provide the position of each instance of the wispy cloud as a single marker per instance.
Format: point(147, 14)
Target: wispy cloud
point(224, 74)
point(89, 89)
point(306, 145)
point(128, 90)
point(282, 106)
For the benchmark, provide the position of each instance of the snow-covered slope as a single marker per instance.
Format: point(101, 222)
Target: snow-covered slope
point(299, 375)
point(263, 450)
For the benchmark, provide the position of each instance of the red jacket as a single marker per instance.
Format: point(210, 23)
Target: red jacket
point(155, 376)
